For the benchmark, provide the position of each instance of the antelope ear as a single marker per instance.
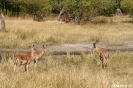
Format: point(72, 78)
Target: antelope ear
point(30, 46)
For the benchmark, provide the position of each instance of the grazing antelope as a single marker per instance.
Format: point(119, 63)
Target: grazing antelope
point(103, 54)
point(22, 60)
point(36, 56)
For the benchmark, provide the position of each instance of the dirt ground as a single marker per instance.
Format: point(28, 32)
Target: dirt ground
point(78, 47)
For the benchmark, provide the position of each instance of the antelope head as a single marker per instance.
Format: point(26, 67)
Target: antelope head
point(44, 48)
point(33, 50)
point(94, 45)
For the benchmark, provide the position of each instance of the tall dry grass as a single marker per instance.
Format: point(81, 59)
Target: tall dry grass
point(84, 71)
point(23, 32)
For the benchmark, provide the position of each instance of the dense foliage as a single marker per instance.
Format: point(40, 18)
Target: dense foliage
point(69, 9)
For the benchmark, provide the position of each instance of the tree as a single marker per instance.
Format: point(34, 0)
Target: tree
point(71, 10)
point(3, 27)
point(127, 6)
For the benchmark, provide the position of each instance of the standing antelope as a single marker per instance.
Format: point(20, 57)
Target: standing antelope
point(33, 50)
point(22, 60)
point(103, 54)
point(36, 56)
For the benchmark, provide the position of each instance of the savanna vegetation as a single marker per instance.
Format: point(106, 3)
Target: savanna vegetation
point(24, 32)
point(82, 71)
point(78, 11)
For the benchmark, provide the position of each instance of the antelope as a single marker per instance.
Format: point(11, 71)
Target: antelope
point(30, 53)
point(22, 60)
point(36, 56)
point(103, 54)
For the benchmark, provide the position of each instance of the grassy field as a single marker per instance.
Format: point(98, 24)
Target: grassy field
point(71, 72)
point(84, 71)
point(23, 32)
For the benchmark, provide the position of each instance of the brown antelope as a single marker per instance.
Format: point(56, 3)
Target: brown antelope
point(22, 60)
point(36, 56)
point(30, 53)
point(103, 54)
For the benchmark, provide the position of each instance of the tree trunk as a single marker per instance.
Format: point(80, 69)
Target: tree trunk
point(118, 12)
point(58, 18)
point(3, 27)
point(77, 19)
